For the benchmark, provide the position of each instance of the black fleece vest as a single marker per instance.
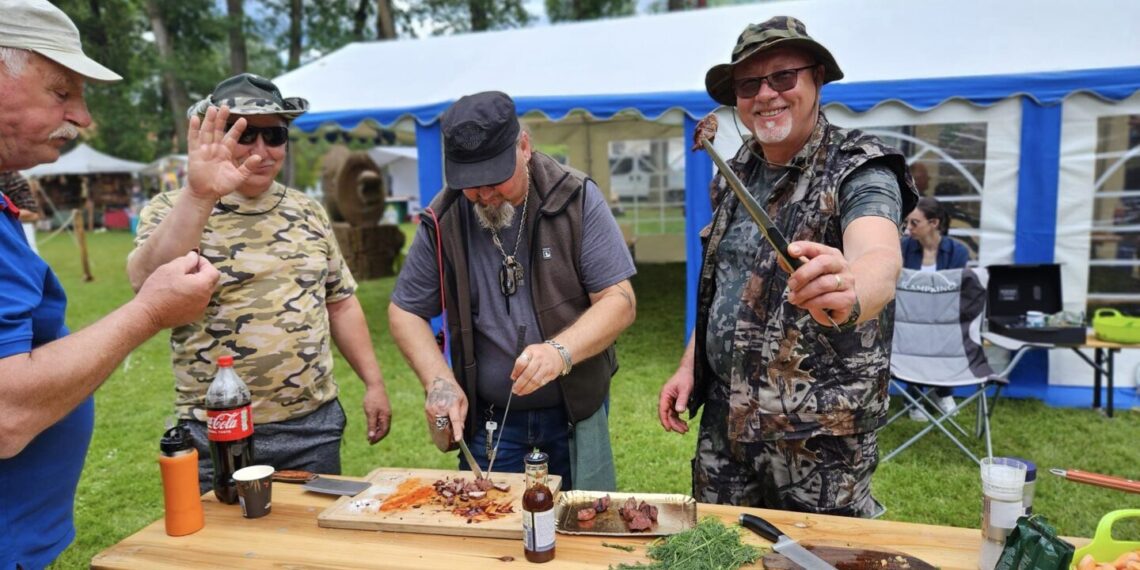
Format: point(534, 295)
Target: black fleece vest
point(556, 286)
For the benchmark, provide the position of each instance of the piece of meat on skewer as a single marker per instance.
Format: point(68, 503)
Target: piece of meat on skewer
point(586, 514)
point(705, 130)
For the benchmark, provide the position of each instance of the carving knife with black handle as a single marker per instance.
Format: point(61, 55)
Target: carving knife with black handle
point(783, 544)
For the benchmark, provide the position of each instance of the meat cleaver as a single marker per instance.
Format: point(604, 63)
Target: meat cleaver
point(331, 486)
point(787, 554)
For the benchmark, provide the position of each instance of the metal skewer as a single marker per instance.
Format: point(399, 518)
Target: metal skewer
point(520, 344)
point(767, 227)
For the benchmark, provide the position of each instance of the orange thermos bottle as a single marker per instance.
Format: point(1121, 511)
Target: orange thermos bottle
point(179, 465)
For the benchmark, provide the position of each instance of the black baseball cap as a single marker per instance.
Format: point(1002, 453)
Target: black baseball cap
point(479, 136)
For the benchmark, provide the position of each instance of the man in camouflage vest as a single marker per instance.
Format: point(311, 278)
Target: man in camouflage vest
point(285, 288)
point(792, 401)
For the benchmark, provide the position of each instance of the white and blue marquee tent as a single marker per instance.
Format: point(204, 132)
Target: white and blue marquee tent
point(1043, 92)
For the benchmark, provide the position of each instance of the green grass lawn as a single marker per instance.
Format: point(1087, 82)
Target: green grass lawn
point(120, 491)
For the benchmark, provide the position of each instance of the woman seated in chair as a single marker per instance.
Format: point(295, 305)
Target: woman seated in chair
point(926, 248)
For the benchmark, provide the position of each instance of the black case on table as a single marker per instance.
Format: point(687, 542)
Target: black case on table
point(1015, 289)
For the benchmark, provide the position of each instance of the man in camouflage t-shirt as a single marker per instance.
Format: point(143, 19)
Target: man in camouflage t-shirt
point(793, 369)
point(285, 288)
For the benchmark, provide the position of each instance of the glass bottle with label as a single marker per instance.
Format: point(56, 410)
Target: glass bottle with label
point(538, 510)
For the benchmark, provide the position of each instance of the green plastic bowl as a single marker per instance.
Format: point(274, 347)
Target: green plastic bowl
point(1103, 548)
point(1112, 326)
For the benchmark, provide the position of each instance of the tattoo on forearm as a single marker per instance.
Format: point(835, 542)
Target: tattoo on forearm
point(441, 394)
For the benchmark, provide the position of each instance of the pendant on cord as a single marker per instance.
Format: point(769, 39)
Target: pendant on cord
point(510, 276)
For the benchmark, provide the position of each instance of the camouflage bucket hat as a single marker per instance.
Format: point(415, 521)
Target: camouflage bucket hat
point(776, 32)
point(249, 94)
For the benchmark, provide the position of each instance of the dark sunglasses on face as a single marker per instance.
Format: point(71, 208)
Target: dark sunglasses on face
point(273, 136)
point(779, 81)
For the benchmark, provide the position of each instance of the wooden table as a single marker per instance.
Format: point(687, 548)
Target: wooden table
point(1103, 360)
point(289, 538)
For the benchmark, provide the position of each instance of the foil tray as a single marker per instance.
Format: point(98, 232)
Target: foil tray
point(675, 513)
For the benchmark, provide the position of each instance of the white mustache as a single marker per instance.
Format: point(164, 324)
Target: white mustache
point(65, 131)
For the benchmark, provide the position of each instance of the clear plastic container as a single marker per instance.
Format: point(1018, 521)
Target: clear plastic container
point(1003, 488)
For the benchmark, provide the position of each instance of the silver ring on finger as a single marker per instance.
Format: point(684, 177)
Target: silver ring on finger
point(838, 282)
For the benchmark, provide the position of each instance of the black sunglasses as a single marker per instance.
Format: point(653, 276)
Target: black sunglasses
point(779, 81)
point(273, 136)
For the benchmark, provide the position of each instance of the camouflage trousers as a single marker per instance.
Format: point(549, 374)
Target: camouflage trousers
point(827, 474)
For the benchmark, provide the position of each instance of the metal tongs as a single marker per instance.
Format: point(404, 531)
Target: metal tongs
point(703, 136)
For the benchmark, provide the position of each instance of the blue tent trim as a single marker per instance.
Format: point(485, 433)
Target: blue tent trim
point(921, 94)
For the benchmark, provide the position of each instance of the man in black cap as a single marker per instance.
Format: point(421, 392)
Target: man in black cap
point(793, 369)
point(285, 288)
point(535, 279)
point(48, 376)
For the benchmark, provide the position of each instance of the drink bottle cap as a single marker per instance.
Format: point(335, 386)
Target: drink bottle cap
point(536, 457)
point(225, 361)
point(175, 439)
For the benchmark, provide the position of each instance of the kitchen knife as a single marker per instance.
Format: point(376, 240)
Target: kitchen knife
point(470, 459)
point(783, 544)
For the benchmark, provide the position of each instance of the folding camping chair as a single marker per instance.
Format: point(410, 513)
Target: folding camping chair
point(937, 343)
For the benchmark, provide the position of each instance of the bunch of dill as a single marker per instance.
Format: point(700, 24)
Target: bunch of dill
point(708, 546)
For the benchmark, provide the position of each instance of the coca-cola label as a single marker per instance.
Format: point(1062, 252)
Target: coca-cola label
point(229, 425)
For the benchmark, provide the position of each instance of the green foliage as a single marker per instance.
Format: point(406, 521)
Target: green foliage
point(931, 483)
point(443, 17)
point(576, 10)
point(708, 546)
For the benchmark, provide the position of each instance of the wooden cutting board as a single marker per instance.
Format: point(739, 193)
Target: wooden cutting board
point(403, 500)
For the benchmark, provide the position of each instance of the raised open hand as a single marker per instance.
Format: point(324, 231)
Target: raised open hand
point(211, 172)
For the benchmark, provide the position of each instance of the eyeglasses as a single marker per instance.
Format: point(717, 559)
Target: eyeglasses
point(273, 136)
point(779, 81)
point(913, 222)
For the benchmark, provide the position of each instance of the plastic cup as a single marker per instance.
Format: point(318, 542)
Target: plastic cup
point(255, 490)
point(1003, 478)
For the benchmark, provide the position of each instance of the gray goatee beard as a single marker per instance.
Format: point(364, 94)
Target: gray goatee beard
point(495, 217)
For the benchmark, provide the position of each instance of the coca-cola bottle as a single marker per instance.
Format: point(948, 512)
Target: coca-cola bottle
point(229, 427)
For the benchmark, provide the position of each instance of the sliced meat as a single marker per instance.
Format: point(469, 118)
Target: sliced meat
point(476, 495)
point(648, 510)
point(639, 523)
point(484, 484)
point(587, 514)
point(502, 487)
point(602, 504)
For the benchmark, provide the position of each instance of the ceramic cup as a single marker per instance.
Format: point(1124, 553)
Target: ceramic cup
point(1034, 319)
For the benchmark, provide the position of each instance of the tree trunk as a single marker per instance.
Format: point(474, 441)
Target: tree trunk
point(172, 87)
point(239, 62)
point(358, 20)
point(385, 23)
point(295, 10)
point(478, 10)
point(676, 5)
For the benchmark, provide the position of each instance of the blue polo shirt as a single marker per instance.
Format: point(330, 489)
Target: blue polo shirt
point(37, 487)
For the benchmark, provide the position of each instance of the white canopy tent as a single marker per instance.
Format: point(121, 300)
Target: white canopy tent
point(403, 170)
point(1043, 92)
point(84, 160)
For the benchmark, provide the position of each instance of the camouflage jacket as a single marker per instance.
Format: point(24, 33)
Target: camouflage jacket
point(280, 269)
point(791, 377)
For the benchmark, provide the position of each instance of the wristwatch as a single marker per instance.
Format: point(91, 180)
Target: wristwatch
point(567, 363)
